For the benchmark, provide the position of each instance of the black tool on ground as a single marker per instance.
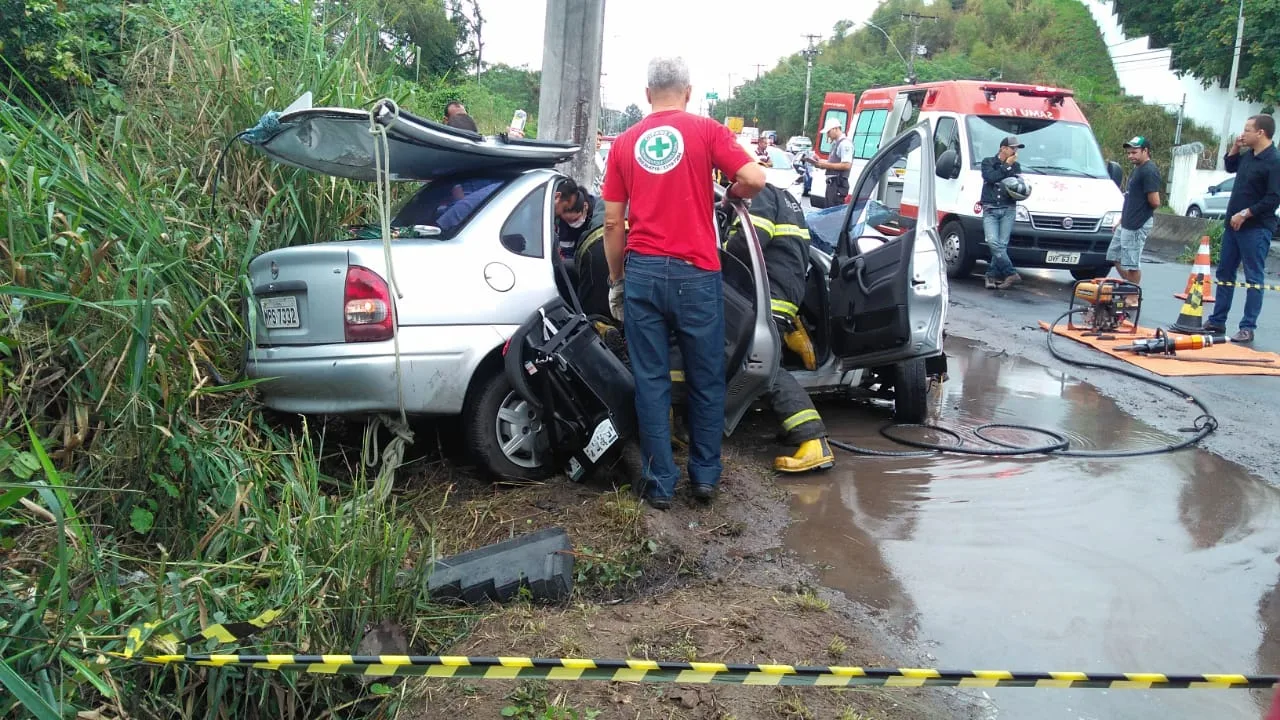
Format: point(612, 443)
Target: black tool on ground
point(558, 362)
point(1058, 444)
point(1165, 344)
point(1108, 304)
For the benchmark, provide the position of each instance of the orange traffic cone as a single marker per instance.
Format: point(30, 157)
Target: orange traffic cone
point(1191, 320)
point(1200, 270)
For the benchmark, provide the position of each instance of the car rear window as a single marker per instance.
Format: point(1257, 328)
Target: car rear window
point(449, 203)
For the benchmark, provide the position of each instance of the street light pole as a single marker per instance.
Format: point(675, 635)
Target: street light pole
point(915, 19)
point(890, 40)
point(1231, 89)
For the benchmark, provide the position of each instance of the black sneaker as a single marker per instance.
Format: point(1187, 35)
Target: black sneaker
point(658, 503)
point(705, 493)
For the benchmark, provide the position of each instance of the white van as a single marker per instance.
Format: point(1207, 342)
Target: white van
point(1075, 201)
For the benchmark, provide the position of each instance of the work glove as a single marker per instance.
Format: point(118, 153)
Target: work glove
point(615, 299)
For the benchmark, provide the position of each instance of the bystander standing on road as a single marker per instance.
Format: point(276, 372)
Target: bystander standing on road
point(659, 178)
point(762, 152)
point(837, 164)
point(1138, 214)
point(1251, 223)
point(998, 212)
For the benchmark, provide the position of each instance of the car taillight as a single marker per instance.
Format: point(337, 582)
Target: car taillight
point(368, 314)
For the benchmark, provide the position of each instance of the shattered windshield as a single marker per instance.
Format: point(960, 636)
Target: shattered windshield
point(1053, 147)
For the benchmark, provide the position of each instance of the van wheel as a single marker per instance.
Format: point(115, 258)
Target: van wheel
point(1089, 273)
point(504, 434)
point(910, 391)
point(956, 251)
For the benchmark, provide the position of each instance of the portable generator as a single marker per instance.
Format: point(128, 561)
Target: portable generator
point(583, 393)
point(1109, 305)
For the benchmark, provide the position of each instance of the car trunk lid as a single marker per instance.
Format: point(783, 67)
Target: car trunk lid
point(338, 142)
point(298, 295)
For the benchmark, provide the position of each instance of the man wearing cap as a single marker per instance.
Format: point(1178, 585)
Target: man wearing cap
point(837, 164)
point(998, 212)
point(1141, 198)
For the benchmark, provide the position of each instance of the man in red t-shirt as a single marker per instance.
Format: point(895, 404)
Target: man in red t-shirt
point(659, 178)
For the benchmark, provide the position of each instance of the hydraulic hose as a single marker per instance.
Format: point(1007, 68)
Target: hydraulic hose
point(1058, 444)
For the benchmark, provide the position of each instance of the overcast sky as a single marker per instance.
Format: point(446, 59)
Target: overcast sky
point(716, 38)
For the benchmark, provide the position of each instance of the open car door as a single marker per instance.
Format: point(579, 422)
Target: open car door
point(888, 293)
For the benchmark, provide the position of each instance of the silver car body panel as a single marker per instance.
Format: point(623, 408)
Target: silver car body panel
point(452, 313)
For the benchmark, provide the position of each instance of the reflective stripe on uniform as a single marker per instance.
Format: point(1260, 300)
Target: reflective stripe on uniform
point(800, 418)
point(783, 307)
point(764, 225)
point(787, 229)
point(592, 238)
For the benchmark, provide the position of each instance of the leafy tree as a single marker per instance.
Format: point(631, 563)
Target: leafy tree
point(1205, 45)
point(631, 116)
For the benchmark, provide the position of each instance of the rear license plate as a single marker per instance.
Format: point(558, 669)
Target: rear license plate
point(601, 440)
point(280, 312)
point(1061, 258)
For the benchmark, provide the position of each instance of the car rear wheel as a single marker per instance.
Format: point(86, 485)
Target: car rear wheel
point(504, 433)
point(910, 391)
point(956, 251)
point(1089, 273)
point(1195, 211)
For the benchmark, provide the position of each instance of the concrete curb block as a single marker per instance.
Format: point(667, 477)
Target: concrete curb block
point(540, 561)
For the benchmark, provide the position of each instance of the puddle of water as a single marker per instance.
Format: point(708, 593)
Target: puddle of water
point(1159, 564)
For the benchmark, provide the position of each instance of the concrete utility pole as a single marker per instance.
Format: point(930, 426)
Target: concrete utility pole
point(809, 54)
point(569, 105)
point(1227, 135)
point(1177, 132)
point(915, 19)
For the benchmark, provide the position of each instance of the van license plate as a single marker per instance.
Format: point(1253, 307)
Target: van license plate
point(1061, 258)
point(601, 440)
point(280, 312)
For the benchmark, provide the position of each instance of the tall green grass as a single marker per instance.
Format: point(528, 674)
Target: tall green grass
point(130, 489)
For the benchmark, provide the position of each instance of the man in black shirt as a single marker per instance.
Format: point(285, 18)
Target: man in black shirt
point(1251, 222)
point(1138, 215)
point(998, 212)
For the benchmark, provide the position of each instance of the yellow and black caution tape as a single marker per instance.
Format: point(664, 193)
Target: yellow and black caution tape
point(224, 633)
point(1247, 286)
point(522, 668)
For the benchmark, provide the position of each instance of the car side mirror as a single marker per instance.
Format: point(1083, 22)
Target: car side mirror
point(948, 165)
point(1213, 189)
point(1113, 169)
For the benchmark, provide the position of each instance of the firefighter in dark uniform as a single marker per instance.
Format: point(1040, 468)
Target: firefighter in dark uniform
point(593, 272)
point(780, 226)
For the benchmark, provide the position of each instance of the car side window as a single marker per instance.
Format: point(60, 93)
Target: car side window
point(523, 233)
point(447, 203)
point(946, 137)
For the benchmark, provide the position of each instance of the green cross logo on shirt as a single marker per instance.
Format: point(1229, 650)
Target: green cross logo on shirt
point(660, 149)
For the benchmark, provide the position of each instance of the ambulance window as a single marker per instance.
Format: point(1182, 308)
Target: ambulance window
point(842, 117)
point(946, 137)
point(866, 136)
point(522, 233)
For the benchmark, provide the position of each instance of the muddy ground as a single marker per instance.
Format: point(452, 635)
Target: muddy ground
point(708, 583)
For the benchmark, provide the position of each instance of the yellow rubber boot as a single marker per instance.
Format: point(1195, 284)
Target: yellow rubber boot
point(812, 455)
point(799, 342)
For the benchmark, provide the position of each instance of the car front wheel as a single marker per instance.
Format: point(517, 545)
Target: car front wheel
point(505, 434)
point(1195, 211)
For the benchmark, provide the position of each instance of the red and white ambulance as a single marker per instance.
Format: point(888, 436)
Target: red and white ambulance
point(1066, 222)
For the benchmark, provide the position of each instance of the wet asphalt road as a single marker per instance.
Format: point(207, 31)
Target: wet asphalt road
point(1159, 564)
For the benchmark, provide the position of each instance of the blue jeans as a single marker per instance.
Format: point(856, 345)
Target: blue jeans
point(663, 296)
point(997, 226)
point(1248, 246)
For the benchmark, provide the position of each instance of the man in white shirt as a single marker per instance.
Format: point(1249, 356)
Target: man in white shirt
point(837, 164)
